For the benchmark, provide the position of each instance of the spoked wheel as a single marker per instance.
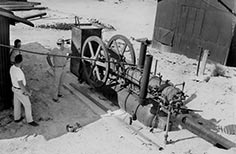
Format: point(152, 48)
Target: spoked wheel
point(95, 61)
point(121, 45)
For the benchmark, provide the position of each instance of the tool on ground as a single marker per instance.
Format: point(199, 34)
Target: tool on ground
point(73, 128)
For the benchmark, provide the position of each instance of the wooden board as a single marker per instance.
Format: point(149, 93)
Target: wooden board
point(14, 18)
point(27, 8)
point(18, 3)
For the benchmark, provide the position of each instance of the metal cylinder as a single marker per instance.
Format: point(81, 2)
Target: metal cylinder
point(156, 82)
point(134, 76)
point(199, 130)
point(128, 101)
point(145, 79)
point(142, 54)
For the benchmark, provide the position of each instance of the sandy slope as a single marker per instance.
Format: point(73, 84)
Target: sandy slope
point(133, 18)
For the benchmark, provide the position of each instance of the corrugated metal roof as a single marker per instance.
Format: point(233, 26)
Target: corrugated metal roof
point(14, 18)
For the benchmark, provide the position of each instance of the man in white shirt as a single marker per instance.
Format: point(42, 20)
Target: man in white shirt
point(21, 93)
point(58, 64)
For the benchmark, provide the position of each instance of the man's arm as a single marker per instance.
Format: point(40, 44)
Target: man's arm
point(23, 88)
point(69, 51)
point(49, 61)
point(12, 56)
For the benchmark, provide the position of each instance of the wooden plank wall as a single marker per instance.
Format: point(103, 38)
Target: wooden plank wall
point(5, 81)
point(186, 25)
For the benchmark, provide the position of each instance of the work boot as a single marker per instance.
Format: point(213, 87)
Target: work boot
point(60, 95)
point(19, 120)
point(55, 100)
point(33, 123)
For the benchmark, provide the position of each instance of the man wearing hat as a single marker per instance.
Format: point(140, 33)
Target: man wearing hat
point(58, 64)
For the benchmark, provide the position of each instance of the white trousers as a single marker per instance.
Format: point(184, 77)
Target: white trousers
point(59, 76)
point(19, 99)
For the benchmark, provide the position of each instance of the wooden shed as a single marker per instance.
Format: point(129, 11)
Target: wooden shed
point(183, 26)
point(7, 18)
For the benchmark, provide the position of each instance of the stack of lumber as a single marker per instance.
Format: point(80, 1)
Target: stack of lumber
point(20, 6)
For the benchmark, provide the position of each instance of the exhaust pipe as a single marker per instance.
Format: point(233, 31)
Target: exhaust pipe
point(145, 79)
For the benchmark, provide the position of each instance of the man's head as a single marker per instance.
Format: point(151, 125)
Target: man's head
point(18, 59)
point(60, 42)
point(17, 43)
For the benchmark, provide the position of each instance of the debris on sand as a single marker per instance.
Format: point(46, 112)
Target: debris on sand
point(57, 26)
point(98, 23)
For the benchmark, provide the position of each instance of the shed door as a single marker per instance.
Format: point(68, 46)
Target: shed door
point(190, 22)
point(189, 30)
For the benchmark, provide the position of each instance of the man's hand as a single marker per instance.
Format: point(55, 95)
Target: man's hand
point(24, 89)
point(27, 93)
point(68, 54)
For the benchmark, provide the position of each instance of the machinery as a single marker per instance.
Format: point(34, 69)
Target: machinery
point(143, 94)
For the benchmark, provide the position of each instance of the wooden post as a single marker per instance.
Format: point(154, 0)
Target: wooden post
point(203, 62)
point(155, 71)
point(199, 60)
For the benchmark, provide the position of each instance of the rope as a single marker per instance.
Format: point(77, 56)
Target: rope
point(75, 57)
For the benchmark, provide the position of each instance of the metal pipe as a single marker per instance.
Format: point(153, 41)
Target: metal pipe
point(167, 124)
point(128, 101)
point(145, 79)
point(142, 54)
point(199, 130)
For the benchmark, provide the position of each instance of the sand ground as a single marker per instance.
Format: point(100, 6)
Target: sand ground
point(107, 134)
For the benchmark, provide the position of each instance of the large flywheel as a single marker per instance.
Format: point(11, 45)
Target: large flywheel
point(95, 61)
point(122, 46)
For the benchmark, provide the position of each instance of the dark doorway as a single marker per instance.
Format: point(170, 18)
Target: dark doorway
point(231, 61)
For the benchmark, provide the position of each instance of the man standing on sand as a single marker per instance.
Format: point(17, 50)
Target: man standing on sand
point(21, 93)
point(58, 64)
